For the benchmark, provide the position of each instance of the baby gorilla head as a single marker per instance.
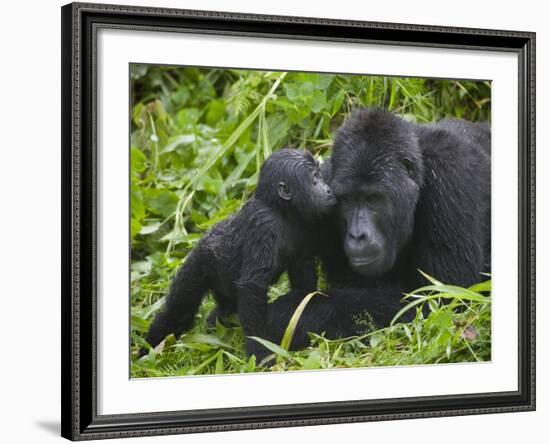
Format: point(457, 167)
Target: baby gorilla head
point(291, 181)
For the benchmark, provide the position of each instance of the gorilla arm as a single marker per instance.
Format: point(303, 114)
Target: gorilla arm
point(259, 269)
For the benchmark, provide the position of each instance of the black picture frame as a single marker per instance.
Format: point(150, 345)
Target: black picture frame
point(79, 171)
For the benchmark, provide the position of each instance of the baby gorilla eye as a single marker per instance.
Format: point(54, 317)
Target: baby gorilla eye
point(316, 178)
point(409, 166)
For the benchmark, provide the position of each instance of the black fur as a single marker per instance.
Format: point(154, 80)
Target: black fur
point(241, 256)
point(411, 197)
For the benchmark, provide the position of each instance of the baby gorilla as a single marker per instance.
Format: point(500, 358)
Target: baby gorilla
point(240, 257)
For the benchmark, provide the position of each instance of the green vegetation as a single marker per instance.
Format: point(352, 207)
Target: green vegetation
point(198, 139)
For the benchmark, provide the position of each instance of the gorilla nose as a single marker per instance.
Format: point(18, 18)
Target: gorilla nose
point(360, 248)
point(358, 245)
point(357, 236)
point(331, 198)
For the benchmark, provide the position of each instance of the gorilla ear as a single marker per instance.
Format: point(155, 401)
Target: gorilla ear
point(409, 166)
point(284, 191)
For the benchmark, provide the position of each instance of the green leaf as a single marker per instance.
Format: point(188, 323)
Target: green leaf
point(135, 227)
point(204, 364)
point(137, 210)
point(187, 118)
point(319, 102)
point(251, 365)
point(139, 324)
point(211, 185)
point(161, 202)
point(291, 327)
point(481, 287)
point(443, 319)
point(449, 292)
point(138, 161)
point(175, 142)
point(407, 331)
point(338, 101)
point(306, 89)
point(149, 228)
point(279, 351)
point(324, 81)
point(216, 111)
point(219, 363)
point(169, 341)
point(431, 279)
point(376, 340)
point(141, 267)
point(421, 299)
point(137, 114)
point(313, 361)
point(292, 91)
point(201, 338)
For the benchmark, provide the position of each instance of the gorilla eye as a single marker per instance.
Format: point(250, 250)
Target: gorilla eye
point(374, 198)
point(409, 166)
point(346, 200)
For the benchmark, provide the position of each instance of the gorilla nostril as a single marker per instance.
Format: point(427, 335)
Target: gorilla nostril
point(359, 237)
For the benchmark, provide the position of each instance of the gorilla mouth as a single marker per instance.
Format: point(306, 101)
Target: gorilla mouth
point(330, 201)
point(361, 262)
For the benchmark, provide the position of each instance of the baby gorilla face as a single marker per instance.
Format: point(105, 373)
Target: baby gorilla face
point(290, 179)
point(320, 196)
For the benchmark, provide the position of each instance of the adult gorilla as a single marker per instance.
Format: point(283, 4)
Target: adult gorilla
point(411, 197)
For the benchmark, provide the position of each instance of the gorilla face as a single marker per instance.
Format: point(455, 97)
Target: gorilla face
point(376, 176)
point(369, 248)
point(376, 221)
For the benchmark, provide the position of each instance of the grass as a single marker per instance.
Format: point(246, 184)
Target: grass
point(452, 324)
point(198, 139)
